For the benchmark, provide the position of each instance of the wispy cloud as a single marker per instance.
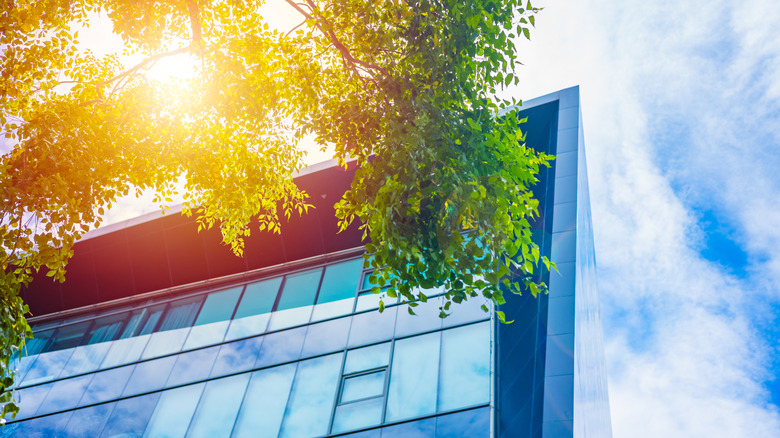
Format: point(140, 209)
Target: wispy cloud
point(681, 107)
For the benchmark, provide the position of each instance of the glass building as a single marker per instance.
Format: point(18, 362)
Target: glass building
point(159, 331)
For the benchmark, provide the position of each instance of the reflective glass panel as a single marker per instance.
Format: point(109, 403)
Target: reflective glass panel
point(69, 336)
point(413, 377)
point(167, 342)
point(311, 400)
point(48, 426)
point(281, 347)
point(363, 386)
point(130, 417)
point(192, 366)
point(467, 311)
point(236, 356)
point(326, 337)
point(474, 423)
point(296, 300)
point(88, 422)
point(107, 329)
point(48, 366)
point(426, 318)
point(173, 412)
point(37, 344)
point(214, 318)
point(371, 327)
point(124, 351)
point(370, 300)
point(65, 394)
point(356, 415)
point(264, 403)
point(367, 358)
point(337, 292)
point(86, 358)
point(464, 379)
point(218, 407)
point(254, 310)
point(149, 376)
point(414, 429)
point(107, 385)
point(30, 400)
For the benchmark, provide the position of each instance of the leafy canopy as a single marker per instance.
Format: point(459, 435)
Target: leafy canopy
point(405, 87)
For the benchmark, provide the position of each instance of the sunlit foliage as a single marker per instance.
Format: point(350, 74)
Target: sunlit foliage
point(405, 87)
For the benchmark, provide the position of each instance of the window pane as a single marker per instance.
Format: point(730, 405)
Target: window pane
point(48, 366)
point(255, 308)
point(209, 334)
point(415, 429)
point(85, 358)
point(107, 329)
point(370, 301)
point(467, 311)
point(465, 367)
point(180, 314)
point(311, 401)
point(281, 347)
point(367, 358)
point(49, 426)
point(65, 394)
point(264, 403)
point(363, 386)
point(149, 376)
point(130, 416)
point(90, 421)
point(30, 399)
point(236, 356)
point(192, 366)
point(219, 306)
point(426, 318)
point(337, 292)
point(247, 326)
point(173, 412)
point(218, 407)
point(297, 299)
point(69, 336)
point(326, 337)
point(124, 351)
point(356, 415)
point(474, 423)
point(107, 385)
point(371, 327)
point(167, 342)
point(37, 344)
point(413, 379)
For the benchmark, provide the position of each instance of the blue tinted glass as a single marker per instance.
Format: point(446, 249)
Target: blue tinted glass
point(149, 321)
point(363, 386)
point(30, 399)
point(69, 336)
point(356, 415)
point(65, 394)
point(413, 377)
point(340, 281)
point(464, 379)
point(311, 400)
point(173, 412)
point(300, 289)
point(247, 326)
point(88, 422)
point(426, 318)
point(208, 334)
point(134, 323)
point(49, 426)
point(415, 429)
point(371, 327)
point(37, 344)
point(218, 407)
point(48, 366)
point(167, 342)
point(149, 376)
point(264, 403)
point(474, 423)
point(236, 356)
point(326, 337)
point(370, 300)
point(124, 351)
point(180, 314)
point(289, 318)
point(86, 358)
point(366, 358)
point(374, 433)
point(281, 347)
point(130, 417)
point(192, 366)
point(106, 329)
point(258, 298)
point(467, 311)
point(107, 385)
point(337, 293)
point(219, 306)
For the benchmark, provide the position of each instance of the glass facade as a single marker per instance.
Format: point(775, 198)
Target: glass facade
point(300, 350)
point(288, 356)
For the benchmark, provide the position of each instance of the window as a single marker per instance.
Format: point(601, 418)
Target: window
point(362, 390)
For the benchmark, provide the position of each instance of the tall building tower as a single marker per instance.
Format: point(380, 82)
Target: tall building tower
point(160, 331)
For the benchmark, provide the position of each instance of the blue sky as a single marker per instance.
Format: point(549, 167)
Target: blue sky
point(681, 111)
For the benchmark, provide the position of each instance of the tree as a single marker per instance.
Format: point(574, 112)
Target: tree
point(405, 87)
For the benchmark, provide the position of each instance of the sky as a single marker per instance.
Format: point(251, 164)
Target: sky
point(681, 113)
